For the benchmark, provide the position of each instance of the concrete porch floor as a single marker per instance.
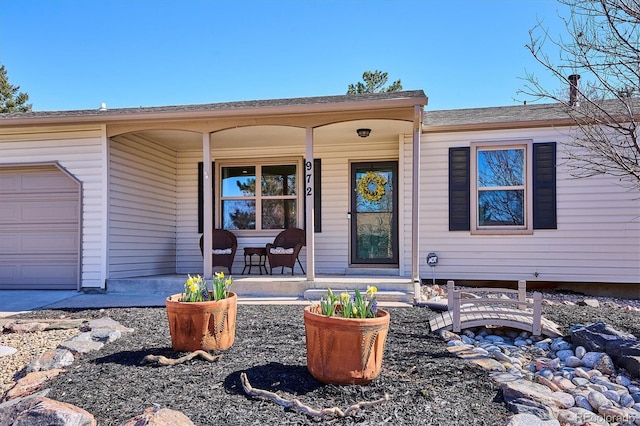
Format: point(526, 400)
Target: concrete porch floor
point(398, 289)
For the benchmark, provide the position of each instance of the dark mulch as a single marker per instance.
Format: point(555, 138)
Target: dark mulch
point(426, 385)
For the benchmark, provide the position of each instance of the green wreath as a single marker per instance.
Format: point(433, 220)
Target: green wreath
point(371, 186)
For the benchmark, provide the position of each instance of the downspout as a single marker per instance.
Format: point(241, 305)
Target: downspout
point(415, 203)
point(309, 197)
point(207, 207)
point(104, 228)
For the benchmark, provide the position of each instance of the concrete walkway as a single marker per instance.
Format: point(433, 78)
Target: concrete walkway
point(18, 301)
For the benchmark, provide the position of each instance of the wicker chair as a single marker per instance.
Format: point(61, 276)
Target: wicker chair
point(224, 245)
point(285, 249)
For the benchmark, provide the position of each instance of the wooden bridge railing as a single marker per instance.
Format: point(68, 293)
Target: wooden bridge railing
point(494, 310)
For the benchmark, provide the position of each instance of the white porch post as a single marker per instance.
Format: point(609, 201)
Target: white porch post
point(207, 207)
point(415, 203)
point(309, 214)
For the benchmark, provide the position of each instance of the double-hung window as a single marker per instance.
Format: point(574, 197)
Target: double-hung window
point(256, 196)
point(501, 187)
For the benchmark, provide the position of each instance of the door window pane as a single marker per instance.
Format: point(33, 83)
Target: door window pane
point(374, 191)
point(374, 231)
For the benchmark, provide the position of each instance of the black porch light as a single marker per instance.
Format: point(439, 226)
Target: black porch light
point(363, 133)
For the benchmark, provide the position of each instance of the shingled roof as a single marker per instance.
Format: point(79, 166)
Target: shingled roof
point(355, 100)
point(534, 115)
point(518, 116)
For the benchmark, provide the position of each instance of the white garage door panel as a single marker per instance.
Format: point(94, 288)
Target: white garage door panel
point(46, 181)
point(39, 229)
point(9, 212)
point(60, 211)
point(9, 182)
point(59, 243)
point(53, 212)
point(9, 273)
point(57, 272)
point(9, 243)
point(41, 276)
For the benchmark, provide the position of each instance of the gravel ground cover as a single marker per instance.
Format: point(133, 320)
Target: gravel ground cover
point(426, 385)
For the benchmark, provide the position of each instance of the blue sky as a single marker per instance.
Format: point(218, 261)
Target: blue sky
point(76, 54)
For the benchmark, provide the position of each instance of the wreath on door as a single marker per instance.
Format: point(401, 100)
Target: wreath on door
point(371, 186)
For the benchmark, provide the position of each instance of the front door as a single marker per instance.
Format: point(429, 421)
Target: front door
point(374, 217)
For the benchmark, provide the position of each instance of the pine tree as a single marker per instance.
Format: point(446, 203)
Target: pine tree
point(373, 83)
point(10, 99)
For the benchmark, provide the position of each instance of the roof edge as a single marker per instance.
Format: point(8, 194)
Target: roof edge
point(337, 103)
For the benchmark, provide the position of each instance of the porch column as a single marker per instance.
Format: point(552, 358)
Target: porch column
point(415, 203)
point(207, 207)
point(309, 214)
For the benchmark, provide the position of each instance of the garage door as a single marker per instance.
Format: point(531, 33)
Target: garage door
point(39, 229)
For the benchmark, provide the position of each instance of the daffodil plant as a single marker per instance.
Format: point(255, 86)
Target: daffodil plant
point(195, 288)
point(347, 306)
point(221, 286)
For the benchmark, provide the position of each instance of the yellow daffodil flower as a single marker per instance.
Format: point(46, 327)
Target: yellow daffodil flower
point(371, 290)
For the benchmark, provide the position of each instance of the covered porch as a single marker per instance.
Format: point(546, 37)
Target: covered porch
point(161, 165)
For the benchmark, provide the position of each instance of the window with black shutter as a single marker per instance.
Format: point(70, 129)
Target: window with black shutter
point(498, 188)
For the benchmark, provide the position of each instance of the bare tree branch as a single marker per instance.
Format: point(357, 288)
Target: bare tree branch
point(603, 48)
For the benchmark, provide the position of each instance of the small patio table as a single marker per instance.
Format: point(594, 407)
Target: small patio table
point(260, 261)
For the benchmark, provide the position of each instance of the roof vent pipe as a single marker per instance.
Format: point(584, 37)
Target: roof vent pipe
point(573, 88)
point(103, 106)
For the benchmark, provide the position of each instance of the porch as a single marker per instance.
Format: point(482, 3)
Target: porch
point(297, 287)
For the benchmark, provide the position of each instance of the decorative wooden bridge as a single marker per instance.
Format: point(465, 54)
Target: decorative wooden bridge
point(504, 311)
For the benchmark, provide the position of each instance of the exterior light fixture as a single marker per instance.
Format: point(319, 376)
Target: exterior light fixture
point(363, 133)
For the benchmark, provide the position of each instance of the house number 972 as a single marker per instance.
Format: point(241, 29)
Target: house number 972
point(309, 166)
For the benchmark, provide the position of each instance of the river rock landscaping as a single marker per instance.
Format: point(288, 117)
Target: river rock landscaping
point(477, 377)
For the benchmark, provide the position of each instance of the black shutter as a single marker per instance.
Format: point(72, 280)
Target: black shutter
point(201, 196)
point(317, 198)
point(544, 186)
point(459, 189)
point(317, 191)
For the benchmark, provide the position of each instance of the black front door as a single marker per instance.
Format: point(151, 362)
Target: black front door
point(374, 218)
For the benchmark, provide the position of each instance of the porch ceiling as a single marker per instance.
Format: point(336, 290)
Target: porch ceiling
point(271, 135)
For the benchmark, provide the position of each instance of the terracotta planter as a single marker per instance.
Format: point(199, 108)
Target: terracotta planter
point(344, 350)
point(202, 325)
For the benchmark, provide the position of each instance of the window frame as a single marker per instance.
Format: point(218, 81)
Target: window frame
point(527, 227)
point(258, 164)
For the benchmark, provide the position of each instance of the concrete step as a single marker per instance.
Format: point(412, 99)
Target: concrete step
point(315, 294)
point(389, 289)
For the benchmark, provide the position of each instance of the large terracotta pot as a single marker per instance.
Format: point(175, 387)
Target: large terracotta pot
point(202, 325)
point(344, 350)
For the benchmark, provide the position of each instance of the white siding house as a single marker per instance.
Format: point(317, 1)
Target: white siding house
point(141, 174)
